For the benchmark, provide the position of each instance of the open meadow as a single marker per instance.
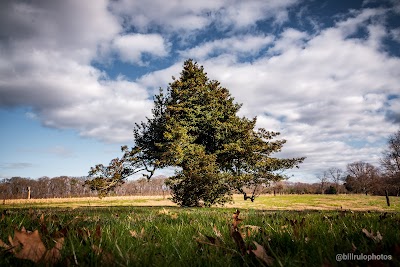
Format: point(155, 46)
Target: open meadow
point(282, 230)
point(263, 202)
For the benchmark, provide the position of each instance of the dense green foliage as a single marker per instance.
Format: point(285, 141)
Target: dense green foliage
point(195, 128)
point(135, 236)
point(331, 190)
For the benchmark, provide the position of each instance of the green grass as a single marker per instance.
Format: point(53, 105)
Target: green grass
point(172, 236)
point(321, 202)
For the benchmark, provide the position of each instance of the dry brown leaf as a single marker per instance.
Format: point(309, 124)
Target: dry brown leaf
point(106, 257)
point(217, 232)
point(28, 245)
point(133, 233)
point(236, 220)
point(84, 233)
point(261, 253)
point(353, 247)
point(54, 255)
point(251, 229)
point(213, 240)
point(254, 228)
point(11, 242)
point(41, 219)
point(163, 211)
point(377, 238)
point(4, 245)
point(98, 231)
point(136, 235)
point(237, 237)
point(97, 250)
point(209, 240)
point(167, 212)
point(174, 215)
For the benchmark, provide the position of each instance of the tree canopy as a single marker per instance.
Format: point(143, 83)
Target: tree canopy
point(195, 128)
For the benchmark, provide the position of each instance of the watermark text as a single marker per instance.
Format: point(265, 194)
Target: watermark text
point(362, 257)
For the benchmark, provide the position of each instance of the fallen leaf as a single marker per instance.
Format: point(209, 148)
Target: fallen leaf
point(163, 211)
point(167, 212)
point(27, 245)
point(213, 240)
point(296, 223)
point(251, 229)
point(377, 238)
point(43, 226)
point(106, 257)
point(60, 233)
point(353, 247)
point(53, 255)
point(133, 233)
point(84, 233)
point(237, 237)
point(4, 245)
point(136, 235)
point(41, 219)
point(98, 231)
point(208, 240)
point(236, 220)
point(217, 232)
point(261, 253)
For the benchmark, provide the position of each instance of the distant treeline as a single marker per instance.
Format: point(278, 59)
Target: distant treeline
point(367, 180)
point(65, 186)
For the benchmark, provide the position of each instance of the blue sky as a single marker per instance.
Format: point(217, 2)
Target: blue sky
point(75, 76)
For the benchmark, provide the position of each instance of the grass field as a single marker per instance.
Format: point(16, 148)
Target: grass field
point(264, 202)
point(151, 231)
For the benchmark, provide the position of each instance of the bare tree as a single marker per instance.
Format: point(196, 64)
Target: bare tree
point(362, 176)
point(336, 176)
point(390, 162)
point(323, 179)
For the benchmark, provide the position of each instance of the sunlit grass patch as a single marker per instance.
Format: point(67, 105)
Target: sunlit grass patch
point(264, 202)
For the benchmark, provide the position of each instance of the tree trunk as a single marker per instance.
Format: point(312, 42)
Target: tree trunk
point(387, 198)
point(29, 192)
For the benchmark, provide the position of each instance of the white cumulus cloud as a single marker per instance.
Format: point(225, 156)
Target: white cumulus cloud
point(131, 47)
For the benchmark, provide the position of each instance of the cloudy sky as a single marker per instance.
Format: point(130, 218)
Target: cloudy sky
point(76, 75)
